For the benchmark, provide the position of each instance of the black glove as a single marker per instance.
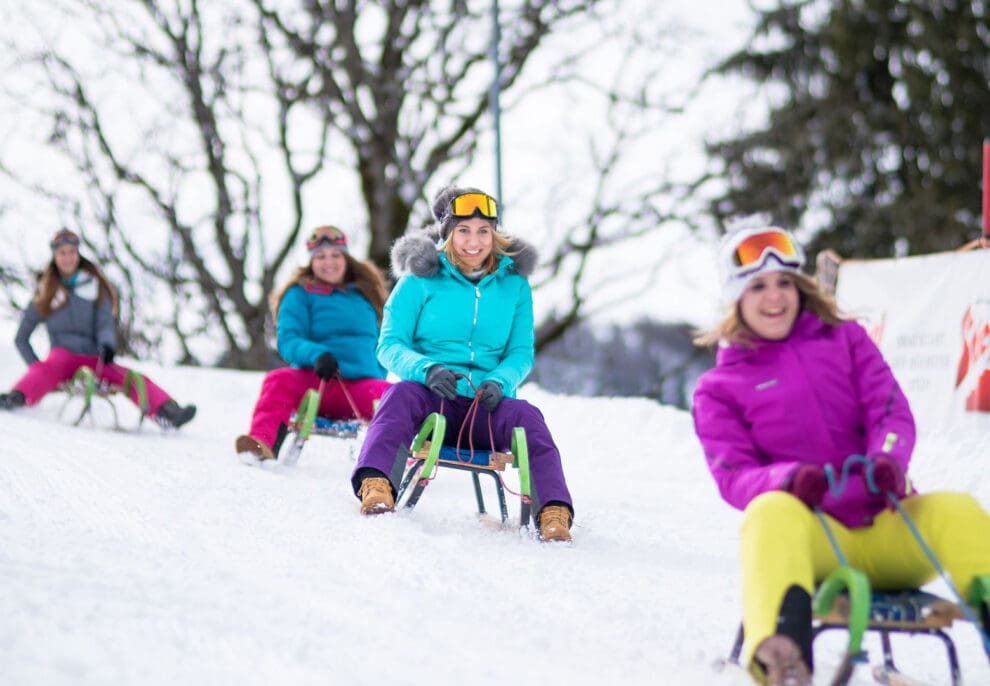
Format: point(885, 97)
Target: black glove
point(325, 366)
point(105, 353)
point(442, 381)
point(489, 395)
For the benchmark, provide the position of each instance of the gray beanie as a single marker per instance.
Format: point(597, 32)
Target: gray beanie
point(441, 207)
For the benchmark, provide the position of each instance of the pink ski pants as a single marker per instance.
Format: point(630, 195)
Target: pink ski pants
point(61, 365)
point(283, 388)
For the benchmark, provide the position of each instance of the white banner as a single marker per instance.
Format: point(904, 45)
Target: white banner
point(930, 316)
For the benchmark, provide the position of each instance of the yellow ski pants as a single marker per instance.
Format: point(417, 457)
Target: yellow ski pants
point(783, 544)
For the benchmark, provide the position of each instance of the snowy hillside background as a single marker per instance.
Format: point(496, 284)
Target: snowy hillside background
point(155, 558)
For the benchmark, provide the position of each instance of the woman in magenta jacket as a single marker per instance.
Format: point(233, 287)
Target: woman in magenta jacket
point(797, 387)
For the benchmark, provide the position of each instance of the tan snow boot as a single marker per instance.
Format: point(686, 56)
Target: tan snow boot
point(781, 657)
point(376, 496)
point(252, 446)
point(555, 523)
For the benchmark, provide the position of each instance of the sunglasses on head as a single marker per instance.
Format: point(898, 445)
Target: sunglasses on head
point(326, 235)
point(754, 250)
point(469, 204)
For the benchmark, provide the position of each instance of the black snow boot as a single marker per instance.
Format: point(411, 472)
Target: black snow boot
point(794, 621)
point(12, 400)
point(170, 415)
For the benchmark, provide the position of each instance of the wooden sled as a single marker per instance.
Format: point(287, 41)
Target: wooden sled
point(428, 453)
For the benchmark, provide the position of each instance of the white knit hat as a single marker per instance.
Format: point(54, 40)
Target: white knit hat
point(768, 258)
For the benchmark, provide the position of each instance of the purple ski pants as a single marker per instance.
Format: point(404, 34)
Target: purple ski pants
point(406, 405)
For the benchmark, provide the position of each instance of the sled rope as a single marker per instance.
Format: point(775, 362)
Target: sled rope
point(854, 581)
point(347, 394)
point(925, 548)
point(840, 556)
point(469, 418)
point(836, 486)
point(930, 554)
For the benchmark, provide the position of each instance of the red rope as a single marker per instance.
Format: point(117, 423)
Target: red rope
point(347, 394)
point(469, 418)
point(524, 498)
point(472, 413)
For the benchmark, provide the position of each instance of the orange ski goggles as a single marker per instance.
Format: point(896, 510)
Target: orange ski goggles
point(469, 204)
point(753, 250)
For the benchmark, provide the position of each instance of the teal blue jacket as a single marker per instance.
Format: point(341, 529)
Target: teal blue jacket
point(438, 316)
point(314, 319)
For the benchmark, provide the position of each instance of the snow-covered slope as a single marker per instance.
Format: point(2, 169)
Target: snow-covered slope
point(155, 558)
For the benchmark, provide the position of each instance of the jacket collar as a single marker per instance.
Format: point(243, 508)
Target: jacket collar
point(323, 288)
point(418, 254)
point(806, 326)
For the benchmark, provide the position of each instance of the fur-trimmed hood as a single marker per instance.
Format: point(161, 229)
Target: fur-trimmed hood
point(417, 254)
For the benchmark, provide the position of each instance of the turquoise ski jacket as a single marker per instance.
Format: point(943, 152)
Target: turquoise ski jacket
point(435, 315)
point(315, 319)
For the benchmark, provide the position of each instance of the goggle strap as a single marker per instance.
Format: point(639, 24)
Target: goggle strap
point(782, 260)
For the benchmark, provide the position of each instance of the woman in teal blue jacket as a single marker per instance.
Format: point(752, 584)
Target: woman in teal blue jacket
point(460, 318)
point(327, 320)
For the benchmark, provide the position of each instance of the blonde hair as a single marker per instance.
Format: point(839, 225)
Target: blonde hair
point(50, 284)
point(500, 246)
point(365, 276)
point(732, 329)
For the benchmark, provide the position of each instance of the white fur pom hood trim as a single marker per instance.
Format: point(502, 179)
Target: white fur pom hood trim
point(417, 254)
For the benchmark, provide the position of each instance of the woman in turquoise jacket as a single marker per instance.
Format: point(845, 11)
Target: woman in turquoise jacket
point(327, 318)
point(460, 319)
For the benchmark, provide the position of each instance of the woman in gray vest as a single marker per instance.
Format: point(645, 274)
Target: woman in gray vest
point(79, 308)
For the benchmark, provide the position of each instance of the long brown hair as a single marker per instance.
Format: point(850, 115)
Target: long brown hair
point(50, 285)
point(732, 329)
point(365, 276)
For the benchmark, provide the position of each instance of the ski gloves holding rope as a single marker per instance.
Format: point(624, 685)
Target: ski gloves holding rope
point(490, 395)
point(809, 484)
point(325, 366)
point(888, 477)
point(443, 382)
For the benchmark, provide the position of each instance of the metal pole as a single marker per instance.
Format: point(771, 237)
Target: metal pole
point(496, 111)
point(986, 189)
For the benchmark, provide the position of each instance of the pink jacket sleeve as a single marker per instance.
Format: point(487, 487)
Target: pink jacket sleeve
point(886, 414)
point(733, 460)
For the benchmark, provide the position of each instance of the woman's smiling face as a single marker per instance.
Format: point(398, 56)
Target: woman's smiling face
point(770, 305)
point(472, 241)
point(66, 260)
point(330, 265)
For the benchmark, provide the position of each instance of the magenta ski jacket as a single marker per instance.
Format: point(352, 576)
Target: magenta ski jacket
point(820, 395)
